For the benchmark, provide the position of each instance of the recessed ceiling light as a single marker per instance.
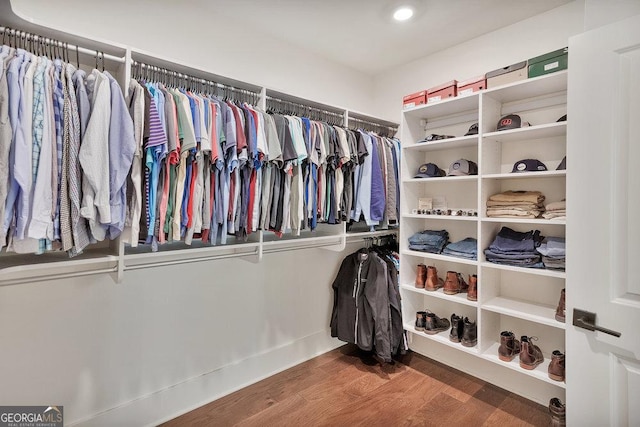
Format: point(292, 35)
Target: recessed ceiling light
point(403, 13)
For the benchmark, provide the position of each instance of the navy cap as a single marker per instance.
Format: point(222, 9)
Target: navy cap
point(563, 164)
point(529, 165)
point(511, 121)
point(429, 170)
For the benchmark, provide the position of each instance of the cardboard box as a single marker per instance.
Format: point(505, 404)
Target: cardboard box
point(505, 75)
point(442, 92)
point(475, 84)
point(414, 99)
point(549, 62)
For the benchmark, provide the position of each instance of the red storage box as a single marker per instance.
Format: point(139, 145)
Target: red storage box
point(414, 99)
point(465, 87)
point(443, 91)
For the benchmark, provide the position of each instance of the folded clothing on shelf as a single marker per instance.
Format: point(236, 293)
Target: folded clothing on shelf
point(516, 204)
point(466, 248)
point(515, 248)
point(556, 210)
point(553, 252)
point(432, 241)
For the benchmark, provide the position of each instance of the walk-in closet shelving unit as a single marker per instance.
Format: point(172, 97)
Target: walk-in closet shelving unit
point(114, 257)
point(522, 300)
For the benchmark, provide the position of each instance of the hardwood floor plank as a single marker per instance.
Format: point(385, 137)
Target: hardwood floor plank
point(349, 387)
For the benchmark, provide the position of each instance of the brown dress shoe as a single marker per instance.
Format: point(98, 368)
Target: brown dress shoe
point(560, 309)
point(433, 282)
point(530, 354)
point(509, 346)
point(455, 283)
point(472, 293)
point(556, 366)
point(421, 275)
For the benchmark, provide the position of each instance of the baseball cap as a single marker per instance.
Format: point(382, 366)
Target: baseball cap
point(511, 121)
point(563, 164)
point(562, 119)
point(473, 130)
point(463, 167)
point(529, 165)
point(435, 137)
point(429, 170)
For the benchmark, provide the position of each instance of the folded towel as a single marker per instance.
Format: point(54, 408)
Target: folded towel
point(518, 196)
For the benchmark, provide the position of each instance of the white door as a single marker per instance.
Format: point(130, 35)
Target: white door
point(603, 232)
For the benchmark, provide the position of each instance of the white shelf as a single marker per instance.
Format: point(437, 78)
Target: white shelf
point(540, 372)
point(442, 179)
point(441, 217)
point(548, 130)
point(529, 88)
point(524, 270)
point(537, 313)
point(444, 108)
point(523, 175)
point(443, 144)
point(459, 298)
point(439, 257)
point(526, 221)
point(442, 338)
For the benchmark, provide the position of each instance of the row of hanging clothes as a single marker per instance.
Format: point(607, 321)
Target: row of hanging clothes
point(210, 164)
point(367, 307)
point(66, 147)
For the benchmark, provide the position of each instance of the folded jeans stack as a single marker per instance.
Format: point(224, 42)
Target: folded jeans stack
point(516, 204)
point(465, 248)
point(432, 241)
point(515, 248)
point(553, 252)
point(556, 210)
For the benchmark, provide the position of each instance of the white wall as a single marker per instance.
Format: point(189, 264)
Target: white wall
point(166, 339)
point(209, 41)
point(515, 43)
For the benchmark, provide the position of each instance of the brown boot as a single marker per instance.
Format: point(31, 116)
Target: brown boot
point(433, 282)
point(472, 293)
point(530, 354)
point(560, 309)
point(558, 413)
point(455, 283)
point(421, 275)
point(556, 366)
point(509, 346)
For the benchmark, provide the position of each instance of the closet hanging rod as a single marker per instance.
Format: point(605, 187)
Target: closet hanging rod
point(375, 124)
point(307, 107)
point(187, 77)
point(10, 32)
point(59, 276)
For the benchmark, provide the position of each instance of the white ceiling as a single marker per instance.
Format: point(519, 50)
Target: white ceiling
point(361, 34)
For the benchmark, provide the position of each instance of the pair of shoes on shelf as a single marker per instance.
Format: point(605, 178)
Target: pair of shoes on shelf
point(558, 411)
point(429, 323)
point(463, 331)
point(530, 354)
point(427, 278)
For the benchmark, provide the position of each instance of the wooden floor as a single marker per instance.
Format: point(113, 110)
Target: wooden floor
point(346, 387)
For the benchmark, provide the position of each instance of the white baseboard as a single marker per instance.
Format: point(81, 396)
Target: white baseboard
point(168, 403)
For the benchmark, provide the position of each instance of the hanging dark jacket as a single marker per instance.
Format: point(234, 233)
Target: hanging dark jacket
point(361, 313)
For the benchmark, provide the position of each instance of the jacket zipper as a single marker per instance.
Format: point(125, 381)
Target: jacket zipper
point(356, 290)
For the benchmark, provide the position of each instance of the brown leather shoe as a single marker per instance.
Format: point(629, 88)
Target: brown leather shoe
point(472, 293)
point(560, 310)
point(421, 275)
point(556, 366)
point(509, 346)
point(558, 412)
point(530, 354)
point(455, 283)
point(469, 333)
point(433, 282)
